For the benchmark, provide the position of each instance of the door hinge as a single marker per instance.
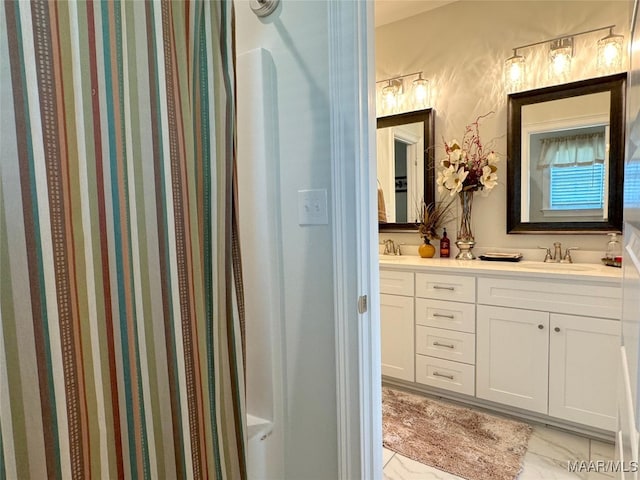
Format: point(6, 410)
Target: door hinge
point(362, 304)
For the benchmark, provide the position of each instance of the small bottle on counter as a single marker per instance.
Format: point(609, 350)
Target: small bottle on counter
point(614, 250)
point(444, 245)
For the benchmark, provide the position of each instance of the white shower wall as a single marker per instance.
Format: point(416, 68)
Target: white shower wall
point(284, 146)
point(258, 184)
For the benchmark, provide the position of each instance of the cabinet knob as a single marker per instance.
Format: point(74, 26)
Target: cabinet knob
point(541, 327)
point(557, 329)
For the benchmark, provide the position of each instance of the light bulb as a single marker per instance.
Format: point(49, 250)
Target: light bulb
point(561, 63)
point(515, 73)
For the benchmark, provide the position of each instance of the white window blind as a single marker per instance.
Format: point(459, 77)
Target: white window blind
point(577, 187)
point(632, 184)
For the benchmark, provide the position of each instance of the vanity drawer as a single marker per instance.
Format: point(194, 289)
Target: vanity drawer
point(450, 315)
point(559, 296)
point(447, 344)
point(393, 282)
point(454, 376)
point(446, 287)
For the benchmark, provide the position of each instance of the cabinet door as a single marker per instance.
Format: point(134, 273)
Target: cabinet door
point(396, 334)
point(512, 357)
point(583, 356)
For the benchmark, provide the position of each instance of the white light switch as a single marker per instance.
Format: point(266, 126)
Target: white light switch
point(312, 207)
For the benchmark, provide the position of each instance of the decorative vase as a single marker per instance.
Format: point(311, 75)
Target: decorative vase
point(465, 241)
point(426, 250)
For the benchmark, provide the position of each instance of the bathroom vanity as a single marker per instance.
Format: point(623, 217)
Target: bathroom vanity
point(535, 339)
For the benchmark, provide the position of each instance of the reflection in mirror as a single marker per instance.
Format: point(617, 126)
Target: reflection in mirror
point(565, 157)
point(405, 167)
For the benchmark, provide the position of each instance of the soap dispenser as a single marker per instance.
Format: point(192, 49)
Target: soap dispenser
point(614, 250)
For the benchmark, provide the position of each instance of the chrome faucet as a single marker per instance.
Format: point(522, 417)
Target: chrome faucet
point(390, 248)
point(557, 254)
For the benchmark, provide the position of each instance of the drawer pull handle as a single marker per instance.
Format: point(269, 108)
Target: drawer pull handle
point(438, 344)
point(557, 329)
point(436, 374)
point(442, 315)
point(541, 327)
point(438, 287)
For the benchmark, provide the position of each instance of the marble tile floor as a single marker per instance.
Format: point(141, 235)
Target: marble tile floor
point(548, 453)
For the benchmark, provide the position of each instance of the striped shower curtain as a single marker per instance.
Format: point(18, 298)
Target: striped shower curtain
point(120, 338)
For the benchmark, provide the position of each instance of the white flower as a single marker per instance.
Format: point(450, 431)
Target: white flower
point(443, 175)
point(454, 155)
point(492, 158)
point(454, 180)
point(489, 179)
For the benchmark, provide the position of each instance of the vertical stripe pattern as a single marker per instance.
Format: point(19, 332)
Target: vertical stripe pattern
point(121, 342)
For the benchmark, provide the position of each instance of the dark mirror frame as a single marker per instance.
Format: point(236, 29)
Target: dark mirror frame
point(616, 84)
point(426, 116)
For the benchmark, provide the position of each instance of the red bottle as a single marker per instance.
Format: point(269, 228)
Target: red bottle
point(444, 245)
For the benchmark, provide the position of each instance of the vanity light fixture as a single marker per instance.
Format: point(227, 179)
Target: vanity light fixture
point(561, 49)
point(610, 52)
point(395, 88)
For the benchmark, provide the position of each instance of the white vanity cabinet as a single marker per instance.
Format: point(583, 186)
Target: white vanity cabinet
point(544, 343)
point(396, 324)
point(548, 362)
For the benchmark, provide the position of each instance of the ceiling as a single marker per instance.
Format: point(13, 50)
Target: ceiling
point(388, 11)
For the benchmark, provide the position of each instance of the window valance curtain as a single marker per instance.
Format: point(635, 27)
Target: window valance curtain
point(584, 149)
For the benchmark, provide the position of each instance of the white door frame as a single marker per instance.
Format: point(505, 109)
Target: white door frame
point(355, 252)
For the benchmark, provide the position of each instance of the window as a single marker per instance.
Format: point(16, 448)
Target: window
point(573, 166)
point(577, 187)
point(632, 183)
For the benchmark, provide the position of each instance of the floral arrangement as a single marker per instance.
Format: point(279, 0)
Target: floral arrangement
point(433, 217)
point(470, 165)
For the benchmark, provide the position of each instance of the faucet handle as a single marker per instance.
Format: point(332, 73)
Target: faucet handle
point(547, 256)
point(567, 254)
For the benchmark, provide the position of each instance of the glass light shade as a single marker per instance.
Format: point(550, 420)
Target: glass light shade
point(392, 94)
point(421, 91)
point(560, 55)
point(514, 72)
point(610, 53)
point(390, 97)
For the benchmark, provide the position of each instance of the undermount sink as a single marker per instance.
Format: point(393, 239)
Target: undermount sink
point(559, 267)
point(397, 258)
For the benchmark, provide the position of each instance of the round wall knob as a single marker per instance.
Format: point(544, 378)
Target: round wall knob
point(557, 329)
point(541, 326)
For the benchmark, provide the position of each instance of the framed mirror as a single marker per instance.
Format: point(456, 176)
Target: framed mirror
point(565, 151)
point(405, 160)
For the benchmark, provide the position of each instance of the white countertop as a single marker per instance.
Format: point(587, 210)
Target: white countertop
point(590, 272)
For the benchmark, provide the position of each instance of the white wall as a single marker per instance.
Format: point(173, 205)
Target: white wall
point(462, 47)
point(296, 37)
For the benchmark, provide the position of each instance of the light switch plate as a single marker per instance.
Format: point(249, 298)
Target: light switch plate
point(312, 207)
